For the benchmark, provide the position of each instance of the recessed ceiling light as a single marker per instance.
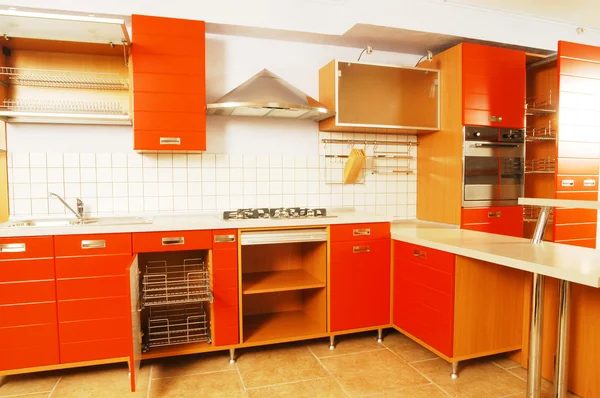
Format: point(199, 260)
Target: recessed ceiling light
point(12, 8)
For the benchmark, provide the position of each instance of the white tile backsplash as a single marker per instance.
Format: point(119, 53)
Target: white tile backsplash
point(119, 183)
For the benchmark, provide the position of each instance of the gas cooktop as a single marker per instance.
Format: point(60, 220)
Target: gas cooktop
point(276, 213)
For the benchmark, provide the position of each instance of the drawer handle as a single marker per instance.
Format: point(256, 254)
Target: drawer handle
point(172, 241)
point(12, 247)
point(224, 238)
point(494, 214)
point(361, 232)
point(170, 141)
point(589, 183)
point(419, 253)
point(495, 118)
point(93, 244)
point(567, 183)
point(361, 249)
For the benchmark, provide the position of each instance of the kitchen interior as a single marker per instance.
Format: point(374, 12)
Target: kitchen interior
point(298, 203)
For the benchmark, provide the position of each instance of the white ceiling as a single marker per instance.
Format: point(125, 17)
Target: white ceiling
point(582, 13)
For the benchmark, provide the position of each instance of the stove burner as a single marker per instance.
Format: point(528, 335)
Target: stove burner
point(278, 213)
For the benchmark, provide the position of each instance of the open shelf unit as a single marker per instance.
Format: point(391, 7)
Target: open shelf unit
point(284, 293)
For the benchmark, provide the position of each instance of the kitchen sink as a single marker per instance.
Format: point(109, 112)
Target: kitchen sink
point(75, 222)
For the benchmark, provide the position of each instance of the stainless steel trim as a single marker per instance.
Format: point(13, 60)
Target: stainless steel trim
point(496, 144)
point(361, 249)
point(567, 183)
point(589, 183)
point(173, 241)
point(93, 244)
point(361, 232)
point(562, 345)
point(283, 236)
point(224, 238)
point(13, 247)
point(170, 141)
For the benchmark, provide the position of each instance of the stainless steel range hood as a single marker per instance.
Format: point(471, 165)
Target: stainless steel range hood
point(267, 95)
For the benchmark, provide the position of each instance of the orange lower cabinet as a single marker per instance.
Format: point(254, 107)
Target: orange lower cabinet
point(502, 220)
point(29, 357)
point(359, 284)
point(94, 350)
point(225, 291)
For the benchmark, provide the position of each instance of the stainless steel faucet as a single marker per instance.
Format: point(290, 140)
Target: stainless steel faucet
point(78, 213)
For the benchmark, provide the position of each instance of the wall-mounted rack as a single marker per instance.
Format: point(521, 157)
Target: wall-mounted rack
point(540, 166)
point(534, 134)
point(540, 105)
point(64, 78)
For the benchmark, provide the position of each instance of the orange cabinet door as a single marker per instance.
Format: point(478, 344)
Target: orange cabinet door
point(168, 112)
point(493, 86)
point(148, 242)
point(225, 288)
point(359, 284)
point(501, 220)
point(355, 232)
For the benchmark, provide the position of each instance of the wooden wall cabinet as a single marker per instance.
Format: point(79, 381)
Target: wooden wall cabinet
point(360, 275)
point(169, 88)
point(379, 98)
point(459, 307)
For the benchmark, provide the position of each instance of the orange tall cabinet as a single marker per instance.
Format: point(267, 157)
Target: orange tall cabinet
point(168, 84)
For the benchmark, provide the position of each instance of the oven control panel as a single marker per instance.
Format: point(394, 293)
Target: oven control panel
point(493, 134)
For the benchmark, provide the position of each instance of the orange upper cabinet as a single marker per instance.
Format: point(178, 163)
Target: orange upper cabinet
point(493, 82)
point(169, 88)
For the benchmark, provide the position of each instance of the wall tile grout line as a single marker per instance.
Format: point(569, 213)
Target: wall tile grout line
point(351, 353)
point(328, 371)
point(398, 389)
point(25, 394)
point(241, 379)
point(55, 385)
point(149, 381)
point(194, 374)
point(287, 383)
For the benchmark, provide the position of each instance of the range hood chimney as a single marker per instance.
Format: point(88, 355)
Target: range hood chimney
point(267, 95)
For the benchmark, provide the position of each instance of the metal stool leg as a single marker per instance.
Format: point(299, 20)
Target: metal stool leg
point(454, 374)
point(562, 345)
point(332, 343)
point(232, 355)
point(380, 335)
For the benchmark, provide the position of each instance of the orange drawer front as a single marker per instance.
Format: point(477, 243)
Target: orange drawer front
point(171, 122)
point(575, 216)
point(349, 232)
point(574, 231)
point(79, 310)
point(226, 335)
point(90, 245)
point(578, 195)
point(429, 277)
point(167, 102)
point(489, 214)
point(26, 270)
point(95, 350)
point(162, 140)
point(168, 64)
point(442, 261)
point(225, 239)
point(96, 329)
point(82, 288)
point(165, 83)
point(28, 336)
point(77, 267)
point(27, 292)
point(225, 260)
point(225, 278)
point(586, 167)
point(31, 247)
point(29, 357)
point(576, 183)
point(27, 314)
point(589, 243)
point(146, 242)
point(225, 298)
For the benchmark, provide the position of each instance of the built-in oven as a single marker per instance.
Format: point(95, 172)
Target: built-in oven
point(493, 166)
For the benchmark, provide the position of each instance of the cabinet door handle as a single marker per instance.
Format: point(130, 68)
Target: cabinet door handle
point(419, 253)
point(224, 238)
point(170, 141)
point(361, 232)
point(589, 183)
point(495, 118)
point(172, 241)
point(93, 244)
point(361, 249)
point(494, 214)
point(13, 247)
point(567, 183)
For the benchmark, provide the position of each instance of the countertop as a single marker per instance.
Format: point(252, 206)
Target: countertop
point(570, 263)
point(195, 221)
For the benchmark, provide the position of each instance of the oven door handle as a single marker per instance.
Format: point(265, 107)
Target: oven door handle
point(492, 145)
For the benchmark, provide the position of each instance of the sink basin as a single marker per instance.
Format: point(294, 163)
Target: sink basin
point(75, 222)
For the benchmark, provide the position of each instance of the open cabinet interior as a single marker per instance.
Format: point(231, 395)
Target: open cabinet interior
point(176, 299)
point(284, 293)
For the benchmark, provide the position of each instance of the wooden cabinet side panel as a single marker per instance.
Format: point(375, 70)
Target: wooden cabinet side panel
point(439, 164)
point(488, 308)
point(4, 204)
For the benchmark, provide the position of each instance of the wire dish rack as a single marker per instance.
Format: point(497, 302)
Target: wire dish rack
point(540, 105)
point(177, 324)
point(63, 106)
point(64, 79)
point(164, 284)
point(540, 166)
point(532, 213)
point(540, 134)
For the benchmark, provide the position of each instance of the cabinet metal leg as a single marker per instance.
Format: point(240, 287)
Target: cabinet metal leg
point(332, 343)
point(454, 374)
point(232, 355)
point(534, 371)
point(562, 345)
point(380, 335)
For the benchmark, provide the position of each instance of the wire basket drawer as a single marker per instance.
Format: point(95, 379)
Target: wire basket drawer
point(181, 324)
point(165, 284)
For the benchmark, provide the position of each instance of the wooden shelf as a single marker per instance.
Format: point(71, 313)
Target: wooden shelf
point(279, 281)
point(280, 326)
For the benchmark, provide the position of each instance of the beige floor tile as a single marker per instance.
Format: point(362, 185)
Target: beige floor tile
point(208, 385)
point(505, 362)
point(428, 391)
point(345, 344)
point(101, 381)
point(406, 348)
point(28, 383)
point(372, 372)
point(191, 364)
point(321, 388)
point(477, 379)
point(276, 365)
point(547, 386)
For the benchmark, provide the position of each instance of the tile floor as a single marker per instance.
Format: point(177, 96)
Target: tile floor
point(358, 367)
